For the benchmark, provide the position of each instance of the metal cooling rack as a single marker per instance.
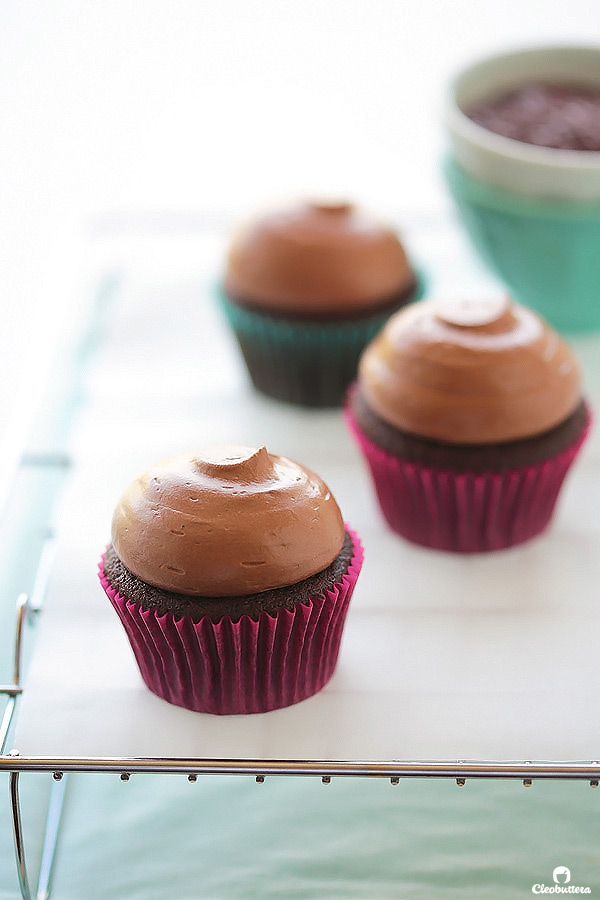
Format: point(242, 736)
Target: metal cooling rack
point(394, 770)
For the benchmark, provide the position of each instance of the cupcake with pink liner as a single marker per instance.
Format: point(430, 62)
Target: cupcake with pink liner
point(469, 414)
point(231, 571)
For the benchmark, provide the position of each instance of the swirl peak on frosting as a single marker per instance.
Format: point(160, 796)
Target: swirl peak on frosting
point(242, 464)
point(489, 316)
point(470, 372)
point(316, 258)
point(226, 521)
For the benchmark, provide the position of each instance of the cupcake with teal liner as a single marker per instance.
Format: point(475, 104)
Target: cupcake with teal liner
point(231, 570)
point(305, 289)
point(524, 172)
point(469, 415)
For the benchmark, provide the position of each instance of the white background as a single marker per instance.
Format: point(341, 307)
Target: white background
point(217, 106)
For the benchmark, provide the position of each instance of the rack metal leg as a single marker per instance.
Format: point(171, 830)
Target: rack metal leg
point(12, 691)
point(55, 808)
point(18, 836)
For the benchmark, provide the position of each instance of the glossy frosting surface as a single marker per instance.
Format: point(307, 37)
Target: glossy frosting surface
point(316, 258)
point(470, 372)
point(228, 521)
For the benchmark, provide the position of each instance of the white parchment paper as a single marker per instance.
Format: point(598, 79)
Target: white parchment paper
point(443, 657)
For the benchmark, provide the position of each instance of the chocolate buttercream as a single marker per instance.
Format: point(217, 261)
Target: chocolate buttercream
point(228, 521)
point(271, 601)
point(562, 116)
point(317, 259)
point(470, 372)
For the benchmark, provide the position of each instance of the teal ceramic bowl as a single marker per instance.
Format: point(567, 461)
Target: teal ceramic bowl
point(546, 252)
point(532, 212)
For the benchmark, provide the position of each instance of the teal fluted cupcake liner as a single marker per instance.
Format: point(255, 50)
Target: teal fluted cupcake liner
point(546, 252)
point(300, 361)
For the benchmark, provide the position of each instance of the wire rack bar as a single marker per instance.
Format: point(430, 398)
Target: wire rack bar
point(588, 770)
point(385, 769)
point(13, 691)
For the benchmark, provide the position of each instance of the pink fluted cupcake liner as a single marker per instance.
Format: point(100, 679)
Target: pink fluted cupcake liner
point(465, 512)
point(245, 666)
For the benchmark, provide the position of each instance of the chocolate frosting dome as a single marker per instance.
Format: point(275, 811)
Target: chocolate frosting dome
point(317, 259)
point(470, 372)
point(228, 521)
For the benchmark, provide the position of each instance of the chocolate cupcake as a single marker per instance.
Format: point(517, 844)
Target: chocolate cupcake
point(305, 289)
point(231, 571)
point(469, 415)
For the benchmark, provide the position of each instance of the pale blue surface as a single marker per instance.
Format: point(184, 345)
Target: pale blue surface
point(158, 837)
